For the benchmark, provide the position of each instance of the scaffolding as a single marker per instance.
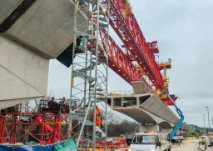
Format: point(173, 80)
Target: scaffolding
point(89, 73)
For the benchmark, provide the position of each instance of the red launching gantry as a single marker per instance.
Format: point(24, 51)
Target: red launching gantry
point(119, 61)
point(124, 23)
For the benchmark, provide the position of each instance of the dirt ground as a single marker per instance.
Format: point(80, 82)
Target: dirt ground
point(187, 145)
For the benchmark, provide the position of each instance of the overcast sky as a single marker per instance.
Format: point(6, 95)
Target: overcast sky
point(184, 31)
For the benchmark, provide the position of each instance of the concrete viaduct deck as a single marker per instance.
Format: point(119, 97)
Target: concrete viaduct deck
point(146, 109)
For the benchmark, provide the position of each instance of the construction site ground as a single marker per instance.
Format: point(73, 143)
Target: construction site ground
point(187, 145)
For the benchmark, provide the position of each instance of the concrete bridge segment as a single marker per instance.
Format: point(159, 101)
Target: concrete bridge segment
point(31, 33)
point(146, 109)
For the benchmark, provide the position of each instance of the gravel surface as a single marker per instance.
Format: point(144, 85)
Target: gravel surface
point(187, 145)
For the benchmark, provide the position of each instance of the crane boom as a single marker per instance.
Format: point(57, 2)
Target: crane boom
point(180, 113)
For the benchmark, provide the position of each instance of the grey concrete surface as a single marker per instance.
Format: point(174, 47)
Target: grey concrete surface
point(154, 105)
point(139, 87)
point(146, 109)
point(43, 32)
point(6, 8)
point(46, 27)
point(136, 113)
point(23, 73)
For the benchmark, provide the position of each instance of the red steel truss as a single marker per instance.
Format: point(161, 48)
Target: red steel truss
point(46, 127)
point(119, 62)
point(125, 25)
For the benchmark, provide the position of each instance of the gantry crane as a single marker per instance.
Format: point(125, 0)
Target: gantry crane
point(124, 23)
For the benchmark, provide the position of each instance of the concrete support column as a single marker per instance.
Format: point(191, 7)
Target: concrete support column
point(112, 103)
point(158, 128)
point(137, 99)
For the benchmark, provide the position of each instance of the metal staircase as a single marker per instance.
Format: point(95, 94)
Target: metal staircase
point(89, 74)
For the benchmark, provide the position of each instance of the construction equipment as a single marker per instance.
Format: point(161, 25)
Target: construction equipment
point(149, 141)
point(128, 30)
point(180, 113)
point(164, 66)
point(45, 124)
point(138, 62)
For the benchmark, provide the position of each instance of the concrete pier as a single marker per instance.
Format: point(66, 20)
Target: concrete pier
point(31, 33)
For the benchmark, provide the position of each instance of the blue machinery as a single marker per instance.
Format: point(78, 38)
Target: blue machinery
point(180, 121)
